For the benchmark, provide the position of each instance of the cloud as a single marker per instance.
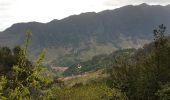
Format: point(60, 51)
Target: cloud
point(5, 14)
point(6, 3)
point(4, 6)
point(158, 2)
point(118, 3)
point(14, 11)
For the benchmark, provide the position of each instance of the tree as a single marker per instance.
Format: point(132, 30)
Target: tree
point(26, 80)
point(147, 77)
point(164, 92)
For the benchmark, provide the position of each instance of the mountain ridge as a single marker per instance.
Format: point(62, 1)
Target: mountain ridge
point(88, 34)
point(142, 4)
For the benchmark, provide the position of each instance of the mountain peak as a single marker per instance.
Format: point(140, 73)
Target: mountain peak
point(144, 4)
point(168, 5)
point(82, 36)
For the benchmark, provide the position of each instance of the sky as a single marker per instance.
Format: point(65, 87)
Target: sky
point(15, 11)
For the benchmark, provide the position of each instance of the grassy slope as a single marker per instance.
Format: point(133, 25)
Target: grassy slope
point(90, 86)
point(86, 78)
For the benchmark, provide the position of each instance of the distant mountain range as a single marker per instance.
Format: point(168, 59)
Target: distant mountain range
point(80, 37)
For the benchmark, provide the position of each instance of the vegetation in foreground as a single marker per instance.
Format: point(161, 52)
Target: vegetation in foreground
point(22, 79)
point(141, 74)
point(144, 75)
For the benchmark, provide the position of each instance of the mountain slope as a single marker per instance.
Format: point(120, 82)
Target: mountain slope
point(82, 36)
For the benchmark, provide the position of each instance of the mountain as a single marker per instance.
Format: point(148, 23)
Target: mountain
point(98, 62)
point(114, 59)
point(80, 37)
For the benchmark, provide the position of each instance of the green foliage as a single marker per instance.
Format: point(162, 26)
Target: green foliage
point(143, 75)
point(26, 80)
point(164, 92)
point(7, 59)
point(72, 34)
point(94, 91)
point(98, 62)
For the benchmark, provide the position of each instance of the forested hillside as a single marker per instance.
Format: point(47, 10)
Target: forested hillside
point(129, 74)
point(80, 37)
point(141, 74)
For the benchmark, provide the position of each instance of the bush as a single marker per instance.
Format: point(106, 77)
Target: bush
point(25, 80)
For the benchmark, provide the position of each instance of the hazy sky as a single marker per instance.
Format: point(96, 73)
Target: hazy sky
point(14, 11)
